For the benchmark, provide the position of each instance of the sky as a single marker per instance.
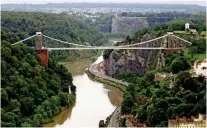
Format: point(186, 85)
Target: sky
point(198, 2)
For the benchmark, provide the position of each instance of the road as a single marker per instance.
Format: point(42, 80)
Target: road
point(114, 121)
point(95, 70)
point(100, 73)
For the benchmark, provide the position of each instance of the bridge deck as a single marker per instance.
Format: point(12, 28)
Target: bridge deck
point(126, 48)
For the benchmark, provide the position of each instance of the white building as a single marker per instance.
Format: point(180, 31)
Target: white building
point(187, 26)
point(200, 67)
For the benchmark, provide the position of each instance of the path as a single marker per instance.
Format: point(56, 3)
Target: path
point(100, 73)
point(114, 121)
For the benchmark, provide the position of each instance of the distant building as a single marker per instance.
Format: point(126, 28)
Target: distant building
point(187, 28)
point(142, 99)
point(132, 121)
point(192, 122)
point(193, 31)
point(162, 76)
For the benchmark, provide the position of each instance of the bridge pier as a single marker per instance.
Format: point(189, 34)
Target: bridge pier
point(42, 53)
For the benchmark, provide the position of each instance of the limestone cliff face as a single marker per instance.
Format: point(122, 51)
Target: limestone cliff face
point(137, 61)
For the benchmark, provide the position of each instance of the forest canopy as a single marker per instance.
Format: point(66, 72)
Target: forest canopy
point(30, 93)
point(20, 25)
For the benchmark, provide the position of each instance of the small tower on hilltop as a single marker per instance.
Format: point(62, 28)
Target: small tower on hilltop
point(187, 26)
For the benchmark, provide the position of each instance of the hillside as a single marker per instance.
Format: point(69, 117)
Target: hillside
point(20, 25)
point(139, 61)
point(128, 25)
point(150, 101)
point(30, 93)
point(136, 61)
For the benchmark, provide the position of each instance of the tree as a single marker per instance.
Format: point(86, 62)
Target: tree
point(170, 28)
point(179, 64)
point(63, 98)
point(161, 93)
point(14, 104)
point(150, 75)
point(200, 44)
point(4, 97)
point(141, 113)
point(142, 32)
point(183, 109)
point(128, 38)
point(162, 104)
point(55, 86)
point(185, 80)
point(193, 50)
point(156, 116)
point(27, 88)
point(27, 105)
point(127, 103)
point(10, 119)
point(191, 84)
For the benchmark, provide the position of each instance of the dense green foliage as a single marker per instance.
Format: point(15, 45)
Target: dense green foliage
point(20, 25)
point(199, 45)
point(197, 22)
point(180, 94)
point(30, 93)
point(156, 18)
point(166, 103)
point(60, 26)
point(103, 21)
point(179, 64)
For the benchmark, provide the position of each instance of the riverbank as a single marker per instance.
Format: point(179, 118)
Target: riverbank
point(61, 117)
point(95, 73)
point(103, 99)
point(92, 76)
point(91, 59)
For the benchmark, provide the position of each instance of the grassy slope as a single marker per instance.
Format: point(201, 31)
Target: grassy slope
point(198, 56)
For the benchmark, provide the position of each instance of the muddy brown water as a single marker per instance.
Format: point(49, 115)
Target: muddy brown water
point(94, 100)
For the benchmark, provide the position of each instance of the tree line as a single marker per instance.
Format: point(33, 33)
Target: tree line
point(20, 25)
point(176, 96)
point(30, 93)
point(179, 94)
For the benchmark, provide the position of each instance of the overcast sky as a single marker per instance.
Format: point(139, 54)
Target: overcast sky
point(199, 2)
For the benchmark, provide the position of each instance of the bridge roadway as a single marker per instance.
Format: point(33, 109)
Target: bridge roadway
point(100, 73)
point(112, 47)
point(39, 36)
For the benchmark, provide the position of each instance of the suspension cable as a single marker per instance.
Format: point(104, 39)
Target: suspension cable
point(182, 39)
point(66, 42)
point(143, 42)
point(124, 48)
point(23, 40)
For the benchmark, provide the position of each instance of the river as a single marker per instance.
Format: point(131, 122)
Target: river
point(94, 100)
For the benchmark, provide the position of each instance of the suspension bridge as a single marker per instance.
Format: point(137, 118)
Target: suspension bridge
point(168, 41)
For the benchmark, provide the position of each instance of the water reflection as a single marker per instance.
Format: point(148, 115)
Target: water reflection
point(94, 102)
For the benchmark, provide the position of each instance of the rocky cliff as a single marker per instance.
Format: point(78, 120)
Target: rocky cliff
point(137, 61)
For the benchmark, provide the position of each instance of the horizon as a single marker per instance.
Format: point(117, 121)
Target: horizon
point(200, 2)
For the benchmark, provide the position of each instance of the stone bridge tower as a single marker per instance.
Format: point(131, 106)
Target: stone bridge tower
point(41, 52)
